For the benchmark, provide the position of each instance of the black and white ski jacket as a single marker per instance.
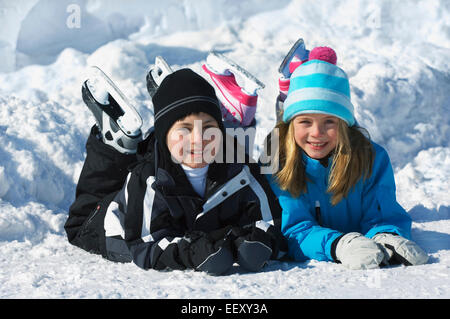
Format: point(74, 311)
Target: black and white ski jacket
point(157, 205)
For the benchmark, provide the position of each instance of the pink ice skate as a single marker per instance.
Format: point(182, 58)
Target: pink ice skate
point(297, 56)
point(238, 103)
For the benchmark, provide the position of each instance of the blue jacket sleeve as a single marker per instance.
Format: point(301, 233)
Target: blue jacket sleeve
point(306, 239)
point(381, 211)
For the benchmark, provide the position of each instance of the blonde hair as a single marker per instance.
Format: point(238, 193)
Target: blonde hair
point(352, 159)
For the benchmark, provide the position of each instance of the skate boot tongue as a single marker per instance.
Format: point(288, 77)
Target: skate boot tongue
point(129, 124)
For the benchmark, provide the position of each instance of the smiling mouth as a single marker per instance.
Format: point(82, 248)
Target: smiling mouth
point(317, 144)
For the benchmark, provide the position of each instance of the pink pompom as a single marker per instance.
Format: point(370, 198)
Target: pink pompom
point(324, 54)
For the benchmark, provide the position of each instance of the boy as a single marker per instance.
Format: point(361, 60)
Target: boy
point(174, 208)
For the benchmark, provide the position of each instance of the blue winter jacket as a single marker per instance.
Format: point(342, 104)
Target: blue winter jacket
point(370, 208)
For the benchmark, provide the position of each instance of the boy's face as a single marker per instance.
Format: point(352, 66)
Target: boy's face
point(316, 134)
point(194, 140)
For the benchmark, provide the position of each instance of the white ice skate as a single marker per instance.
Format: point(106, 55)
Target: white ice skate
point(156, 75)
point(119, 122)
point(296, 55)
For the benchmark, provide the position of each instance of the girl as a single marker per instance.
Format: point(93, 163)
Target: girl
point(335, 186)
point(174, 207)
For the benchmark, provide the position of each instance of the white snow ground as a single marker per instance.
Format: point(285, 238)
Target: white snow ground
point(396, 54)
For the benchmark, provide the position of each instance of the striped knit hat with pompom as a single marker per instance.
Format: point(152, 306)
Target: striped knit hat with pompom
point(319, 86)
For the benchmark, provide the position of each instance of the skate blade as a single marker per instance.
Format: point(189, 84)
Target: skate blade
point(160, 70)
point(221, 63)
point(297, 51)
point(130, 122)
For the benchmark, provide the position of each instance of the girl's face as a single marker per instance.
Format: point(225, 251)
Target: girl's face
point(194, 140)
point(316, 134)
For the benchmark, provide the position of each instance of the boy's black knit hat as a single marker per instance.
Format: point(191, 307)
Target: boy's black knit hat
point(182, 93)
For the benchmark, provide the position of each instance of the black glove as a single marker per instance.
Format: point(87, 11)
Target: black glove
point(265, 233)
point(257, 244)
point(169, 258)
point(209, 252)
point(165, 254)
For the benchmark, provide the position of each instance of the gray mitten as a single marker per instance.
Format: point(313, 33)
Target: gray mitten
point(398, 249)
point(355, 251)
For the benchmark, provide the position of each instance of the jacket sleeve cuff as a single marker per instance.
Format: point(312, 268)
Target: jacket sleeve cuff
point(333, 248)
point(386, 229)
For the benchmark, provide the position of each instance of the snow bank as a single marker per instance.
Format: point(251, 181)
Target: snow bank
point(32, 222)
point(38, 152)
point(12, 13)
point(38, 30)
point(397, 61)
point(425, 181)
